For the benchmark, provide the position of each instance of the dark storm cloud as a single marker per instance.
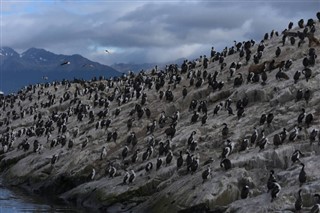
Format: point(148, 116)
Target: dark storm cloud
point(145, 31)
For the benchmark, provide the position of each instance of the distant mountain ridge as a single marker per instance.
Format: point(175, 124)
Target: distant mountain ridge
point(29, 67)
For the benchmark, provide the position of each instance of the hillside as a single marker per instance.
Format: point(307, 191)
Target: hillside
point(84, 141)
point(31, 66)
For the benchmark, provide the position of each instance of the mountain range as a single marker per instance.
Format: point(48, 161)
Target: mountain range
point(18, 70)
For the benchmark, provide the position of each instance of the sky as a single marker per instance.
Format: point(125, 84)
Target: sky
point(144, 31)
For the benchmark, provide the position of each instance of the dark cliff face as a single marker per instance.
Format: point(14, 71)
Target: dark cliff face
point(81, 173)
point(31, 66)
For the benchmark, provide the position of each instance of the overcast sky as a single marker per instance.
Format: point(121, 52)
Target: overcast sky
point(143, 31)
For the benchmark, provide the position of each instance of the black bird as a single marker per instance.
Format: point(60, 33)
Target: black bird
point(298, 203)
point(292, 40)
point(307, 73)
point(159, 163)
point(190, 139)
point(309, 119)
point(125, 152)
point(217, 108)
point(288, 64)
point(299, 95)
point(281, 75)
point(244, 192)
point(238, 80)
point(225, 163)
point(225, 130)
point(132, 177)
point(244, 145)
point(263, 119)
point(296, 76)
point(302, 175)
point(301, 115)
point(263, 142)
point(184, 92)
point(278, 51)
point(240, 112)
point(270, 118)
point(305, 62)
point(204, 119)
point(135, 156)
point(271, 180)
point(277, 140)
point(126, 178)
point(264, 77)
point(307, 95)
point(206, 174)
point(313, 135)
point(283, 134)
point(169, 158)
point(179, 160)
point(290, 25)
point(194, 117)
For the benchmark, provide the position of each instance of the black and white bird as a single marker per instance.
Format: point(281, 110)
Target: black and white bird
point(316, 207)
point(271, 180)
point(65, 63)
point(149, 167)
point(301, 115)
point(112, 171)
point(295, 157)
point(225, 163)
point(245, 192)
point(132, 177)
point(294, 134)
point(276, 188)
point(103, 153)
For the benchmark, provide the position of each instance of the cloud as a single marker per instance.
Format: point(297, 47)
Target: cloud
point(144, 31)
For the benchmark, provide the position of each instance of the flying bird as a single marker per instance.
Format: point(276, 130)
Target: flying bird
point(65, 63)
point(107, 51)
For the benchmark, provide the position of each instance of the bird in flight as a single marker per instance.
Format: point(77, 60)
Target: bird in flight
point(65, 63)
point(107, 51)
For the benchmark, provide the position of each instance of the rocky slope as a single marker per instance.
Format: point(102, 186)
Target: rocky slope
point(68, 162)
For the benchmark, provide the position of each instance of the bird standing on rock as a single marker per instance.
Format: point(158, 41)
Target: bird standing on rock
point(302, 175)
